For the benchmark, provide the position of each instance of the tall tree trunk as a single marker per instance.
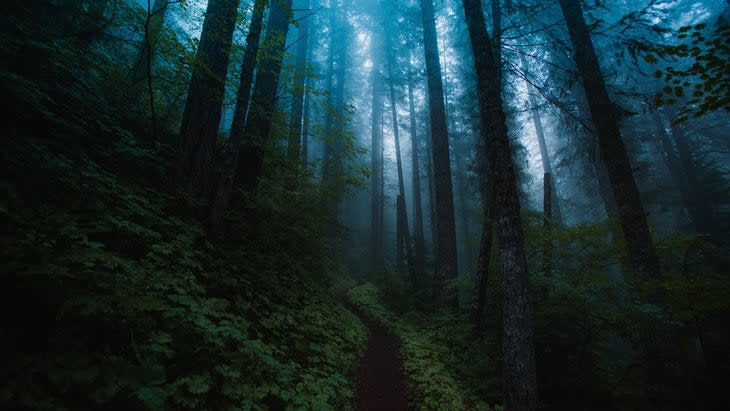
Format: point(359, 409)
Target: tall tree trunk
point(596, 166)
point(202, 114)
point(258, 124)
point(446, 260)
point(633, 219)
point(376, 178)
point(222, 196)
point(700, 210)
point(518, 345)
point(547, 167)
point(460, 180)
point(483, 262)
point(671, 160)
point(305, 124)
point(401, 210)
point(295, 128)
point(420, 247)
point(547, 207)
point(431, 192)
point(661, 342)
point(400, 240)
point(336, 124)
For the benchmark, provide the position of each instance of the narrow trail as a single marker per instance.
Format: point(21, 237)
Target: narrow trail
point(381, 381)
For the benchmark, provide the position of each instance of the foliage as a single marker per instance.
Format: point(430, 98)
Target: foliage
point(112, 296)
point(444, 368)
point(704, 84)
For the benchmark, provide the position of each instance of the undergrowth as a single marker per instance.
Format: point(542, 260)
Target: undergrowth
point(440, 360)
point(112, 297)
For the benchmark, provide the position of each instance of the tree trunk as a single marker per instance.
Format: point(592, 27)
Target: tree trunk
point(700, 210)
point(633, 219)
point(446, 260)
point(401, 210)
point(258, 123)
point(485, 257)
point(376, 178)
point(518, 345)
point(295, 128)
point(202, 115)
point(547, 208)
point(335, 125)
point(222, 196)
point(671, 160)
point(661, 341)
point(420, 247)
point(547, 167)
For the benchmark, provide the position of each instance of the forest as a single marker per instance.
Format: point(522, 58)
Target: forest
point(491, 205)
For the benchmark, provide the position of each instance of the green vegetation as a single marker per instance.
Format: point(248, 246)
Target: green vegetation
point(580, 313)
point(441, 363)
point(113, 297)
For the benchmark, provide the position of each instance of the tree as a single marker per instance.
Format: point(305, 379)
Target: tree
point(203, 106)
point(258, 122)
point(520, 380)
point(376, 164)
point(547, 167)
point(446, 259)
point(662, 352)
point(230, 164)
point(297, 111)
point(154, 21)
point(418, 236)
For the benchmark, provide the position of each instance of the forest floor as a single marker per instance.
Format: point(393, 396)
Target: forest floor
point(381, 383)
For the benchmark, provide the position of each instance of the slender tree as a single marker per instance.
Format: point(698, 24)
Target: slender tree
point(203, 107)
point(446, 259)
point(547, 167)
point(418, 236)
point(661, 342)
point(376, 165)
point(154, 21)
point(518, 345)
point(297, 111)
point(225, 182)
point(263, 100)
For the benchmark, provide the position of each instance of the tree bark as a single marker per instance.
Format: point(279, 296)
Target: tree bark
point(258, 124)
point(222, 196)
point(446, 260)
point(202, 115)
point(518, 345)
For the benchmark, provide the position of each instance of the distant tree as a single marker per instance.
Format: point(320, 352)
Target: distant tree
point(297, 111)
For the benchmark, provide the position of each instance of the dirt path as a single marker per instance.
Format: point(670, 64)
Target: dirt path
point(381, 382)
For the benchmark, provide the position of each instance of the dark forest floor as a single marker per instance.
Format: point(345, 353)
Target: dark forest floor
point(381, 383)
